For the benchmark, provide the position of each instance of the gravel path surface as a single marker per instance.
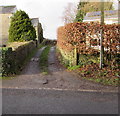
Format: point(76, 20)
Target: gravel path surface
point(58, 77)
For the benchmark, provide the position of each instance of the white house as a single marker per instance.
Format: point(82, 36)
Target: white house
point(110, 17)
point(5, 13)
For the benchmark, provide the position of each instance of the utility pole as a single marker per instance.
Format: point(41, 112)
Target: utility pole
point(101, 32)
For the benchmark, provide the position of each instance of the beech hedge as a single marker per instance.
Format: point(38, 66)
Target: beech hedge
point(85, 37)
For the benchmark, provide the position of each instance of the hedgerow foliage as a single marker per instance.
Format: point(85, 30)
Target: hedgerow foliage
point(6, 63)
point(12, 60)
point(82, 35)
point(21, 28)
point(86, 38)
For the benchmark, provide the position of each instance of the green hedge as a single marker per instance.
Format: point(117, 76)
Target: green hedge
point(85, 59)
point(11, 61)
point(5, 61)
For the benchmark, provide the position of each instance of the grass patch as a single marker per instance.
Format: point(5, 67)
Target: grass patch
point(105, 76)
point(40, 46)
point(45, 73)
point(7, 78)
point(105, 81)
point(89, 70)
point(43, 62)
point(73, 67)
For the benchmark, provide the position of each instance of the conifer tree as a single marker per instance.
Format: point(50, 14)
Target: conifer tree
point(21, 28)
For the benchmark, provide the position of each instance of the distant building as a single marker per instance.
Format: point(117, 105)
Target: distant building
point(110, 17)
point(38, 28)
point(5, 13)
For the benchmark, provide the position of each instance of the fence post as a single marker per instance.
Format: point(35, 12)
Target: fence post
point(102, 32)
point(76, 57)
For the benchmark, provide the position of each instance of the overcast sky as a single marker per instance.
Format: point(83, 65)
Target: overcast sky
point(49, 12)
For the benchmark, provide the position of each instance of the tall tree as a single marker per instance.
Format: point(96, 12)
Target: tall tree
point(21, 28)
point(69, 13)
point(85, 7)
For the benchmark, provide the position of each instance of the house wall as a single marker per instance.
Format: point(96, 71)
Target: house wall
point(4, 25)
point(4, 29)
point(107, 21)
point(39, 33)
point(36, 29)
point(110, 17)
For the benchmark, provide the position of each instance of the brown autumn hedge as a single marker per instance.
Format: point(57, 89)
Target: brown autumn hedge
point(85, 36)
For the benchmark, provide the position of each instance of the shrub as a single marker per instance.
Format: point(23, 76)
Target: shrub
point(21, 28)
point(86, 38)
point(12, 61)
point(5, 62)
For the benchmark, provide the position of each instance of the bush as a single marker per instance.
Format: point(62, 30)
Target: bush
point(21, 28)
point(12, 61)
point(5, 62)
point(86, 38)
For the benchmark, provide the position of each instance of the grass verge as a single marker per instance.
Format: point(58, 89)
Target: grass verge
point(105, 76)
point(40, 46)
point(73, 67)
point(92, 72)
point(43, 62)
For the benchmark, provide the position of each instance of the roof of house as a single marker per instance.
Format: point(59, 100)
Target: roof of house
point(8, 9)
point(97, 15)
point(35, 21)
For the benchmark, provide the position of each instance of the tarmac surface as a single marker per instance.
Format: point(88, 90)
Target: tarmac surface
point(35, 101)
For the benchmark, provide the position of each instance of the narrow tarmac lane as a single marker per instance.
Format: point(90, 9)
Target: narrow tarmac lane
point(57, 102)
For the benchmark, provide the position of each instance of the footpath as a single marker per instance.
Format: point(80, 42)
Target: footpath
point(58, 78)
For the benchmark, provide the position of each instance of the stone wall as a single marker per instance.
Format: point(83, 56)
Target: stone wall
point(40, 33)
point(13, 60)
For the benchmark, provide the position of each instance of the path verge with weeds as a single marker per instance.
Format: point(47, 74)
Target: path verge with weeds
point(43, 62)
point(92, 72)
point(105, 76)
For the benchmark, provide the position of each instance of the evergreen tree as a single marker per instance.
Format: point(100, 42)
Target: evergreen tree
point(21, 28)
